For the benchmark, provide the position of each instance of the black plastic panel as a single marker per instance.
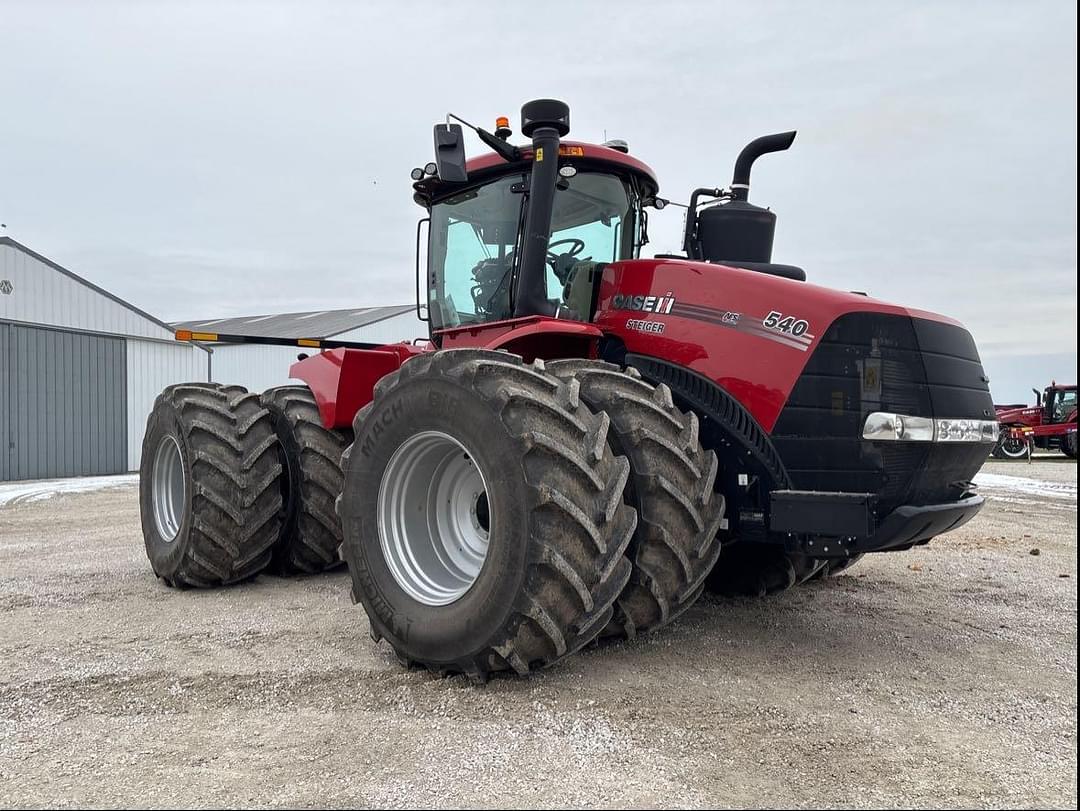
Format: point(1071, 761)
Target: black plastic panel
point(870, 362)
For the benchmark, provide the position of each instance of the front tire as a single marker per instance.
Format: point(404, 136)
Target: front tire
point(676, 543)
point(506, 463)
point(209, 485)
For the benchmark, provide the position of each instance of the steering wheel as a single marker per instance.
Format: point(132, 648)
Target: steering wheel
point(562, 263)
point(577, 246)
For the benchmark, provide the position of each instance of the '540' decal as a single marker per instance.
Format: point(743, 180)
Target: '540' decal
point(776, 320)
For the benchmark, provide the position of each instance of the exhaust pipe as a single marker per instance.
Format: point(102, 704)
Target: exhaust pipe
point(734, 230)
point(740, 182)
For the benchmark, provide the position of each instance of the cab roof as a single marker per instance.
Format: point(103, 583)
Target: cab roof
point(582, 155)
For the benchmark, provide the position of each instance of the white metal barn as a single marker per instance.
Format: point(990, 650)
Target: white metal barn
point(259, 367)
point(79, 371)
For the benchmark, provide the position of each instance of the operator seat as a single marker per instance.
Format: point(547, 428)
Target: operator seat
point(579, 292)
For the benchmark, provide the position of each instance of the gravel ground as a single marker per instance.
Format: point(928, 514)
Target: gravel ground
point(944, 676)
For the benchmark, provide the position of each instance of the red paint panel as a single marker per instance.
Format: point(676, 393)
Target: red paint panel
point(588, 152)
point(343, 380)
point(531, 337)
point(716, 323)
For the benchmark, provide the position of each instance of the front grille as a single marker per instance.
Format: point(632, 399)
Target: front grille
point(872, 362)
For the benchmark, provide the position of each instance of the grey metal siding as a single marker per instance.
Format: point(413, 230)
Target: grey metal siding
point(65, 403)
point(152, 366)
point(7, 438)
point(44, 293)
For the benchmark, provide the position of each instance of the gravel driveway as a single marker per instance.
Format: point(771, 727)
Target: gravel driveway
point(941, 676)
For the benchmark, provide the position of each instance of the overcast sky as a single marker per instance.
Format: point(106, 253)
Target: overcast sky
point(205, 160)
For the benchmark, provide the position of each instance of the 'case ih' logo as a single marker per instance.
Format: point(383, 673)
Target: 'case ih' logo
point(644, 304)
point(6, 287)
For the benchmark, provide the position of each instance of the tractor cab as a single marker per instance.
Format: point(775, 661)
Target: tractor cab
point(526, 230)
point(475, 234)
point(1059, 403)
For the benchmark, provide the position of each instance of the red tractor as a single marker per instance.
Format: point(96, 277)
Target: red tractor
point(1050, 423)
point(588, 437)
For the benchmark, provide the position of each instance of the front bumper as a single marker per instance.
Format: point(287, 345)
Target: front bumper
point(848, 520)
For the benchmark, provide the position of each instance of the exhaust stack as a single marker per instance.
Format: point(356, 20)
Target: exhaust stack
point(740, 181)
point(734, 230)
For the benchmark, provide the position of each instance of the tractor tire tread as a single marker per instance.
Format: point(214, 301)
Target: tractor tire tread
point(234, 472)
point(311, 532)
point(579, 524)
point(676, 543)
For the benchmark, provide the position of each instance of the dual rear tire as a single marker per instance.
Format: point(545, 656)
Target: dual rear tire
point(233, 483)
point(209, 487)
point(311, 459)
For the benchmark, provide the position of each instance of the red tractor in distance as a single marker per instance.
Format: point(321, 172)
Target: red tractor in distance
point(587, 437)
point(1050, 423)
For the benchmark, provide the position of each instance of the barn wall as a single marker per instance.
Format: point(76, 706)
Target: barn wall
point(152, 366)
point(41, 294)
point(255, 367)
point(64, 409)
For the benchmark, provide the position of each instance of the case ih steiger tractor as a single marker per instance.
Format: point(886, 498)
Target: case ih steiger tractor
point(587, 438)
point(1051, 422)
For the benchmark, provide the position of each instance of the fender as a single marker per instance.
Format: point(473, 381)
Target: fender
point(343, 380)
point(741, 444)
point(531, 337)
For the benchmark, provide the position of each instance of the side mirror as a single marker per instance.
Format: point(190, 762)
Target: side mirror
point(450, 153)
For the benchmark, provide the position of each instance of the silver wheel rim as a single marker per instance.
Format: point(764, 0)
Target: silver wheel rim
point(433, 518)
point(168, 488)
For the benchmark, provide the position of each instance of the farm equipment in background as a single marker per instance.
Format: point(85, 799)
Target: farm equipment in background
point(1049, 424)
point(587, 438)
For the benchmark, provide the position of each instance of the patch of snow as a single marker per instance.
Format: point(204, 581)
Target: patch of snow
point(1024, 486)
point(27, 492)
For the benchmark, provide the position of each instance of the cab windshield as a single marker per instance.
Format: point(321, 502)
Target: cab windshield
point(1064, 405)
point(473, 244)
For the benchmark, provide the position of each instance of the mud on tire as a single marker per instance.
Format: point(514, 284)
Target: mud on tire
point(209, 485)
point(676, 544)
point(311, 459)
point(557, 525)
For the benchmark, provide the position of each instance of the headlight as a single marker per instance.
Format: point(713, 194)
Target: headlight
point(882, 426)
point(958, 431)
